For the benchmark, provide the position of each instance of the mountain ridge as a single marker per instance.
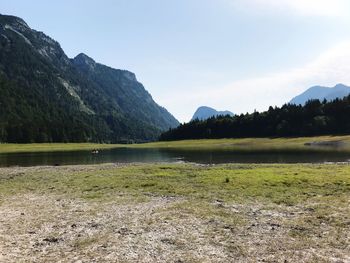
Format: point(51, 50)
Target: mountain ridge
point(320, 92)
point(205, 112)
point(48, 97)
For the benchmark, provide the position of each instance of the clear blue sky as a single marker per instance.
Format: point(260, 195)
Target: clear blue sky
point(238, 55)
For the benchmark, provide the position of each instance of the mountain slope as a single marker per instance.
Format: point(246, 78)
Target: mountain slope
point(203, 113)
point(47, 97)
point(124, 89)
point(318, 92)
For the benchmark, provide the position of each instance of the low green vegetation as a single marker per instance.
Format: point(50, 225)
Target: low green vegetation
point(287, 184)
point(52, 147)
point(321, 143)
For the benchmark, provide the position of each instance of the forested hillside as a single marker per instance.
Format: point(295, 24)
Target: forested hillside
point(47, 97)
point(315, 118)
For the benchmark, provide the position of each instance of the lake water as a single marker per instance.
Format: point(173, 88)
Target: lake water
point(123, 155)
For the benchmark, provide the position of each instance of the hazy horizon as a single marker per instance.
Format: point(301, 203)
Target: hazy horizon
point(237, 55)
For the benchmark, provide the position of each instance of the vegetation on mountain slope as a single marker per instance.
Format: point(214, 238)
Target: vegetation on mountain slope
point(47, 97)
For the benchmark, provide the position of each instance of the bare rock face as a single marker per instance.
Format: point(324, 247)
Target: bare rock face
point(84, 62)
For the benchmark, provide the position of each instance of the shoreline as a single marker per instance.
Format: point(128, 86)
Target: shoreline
point(205, 165)
point(293, 144)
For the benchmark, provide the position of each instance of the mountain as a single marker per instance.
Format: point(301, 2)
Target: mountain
point(203, 113)
point(47, 97)
point(315, 118)
point(318, 92)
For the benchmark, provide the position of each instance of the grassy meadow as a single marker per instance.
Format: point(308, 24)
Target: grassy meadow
point(176, 213)
point(286, 184)
point(52, 147)
point(321, 143)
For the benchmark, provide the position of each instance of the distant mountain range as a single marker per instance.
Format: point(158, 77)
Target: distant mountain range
point(204, 112)
point(318, 92)
point(47, 97)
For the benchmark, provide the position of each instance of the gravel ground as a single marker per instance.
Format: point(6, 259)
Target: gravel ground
point(53, 229)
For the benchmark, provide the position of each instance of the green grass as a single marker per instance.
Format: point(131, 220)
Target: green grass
point(238, 145)
point(255, 144)
point(280, 184)
point(52, 147)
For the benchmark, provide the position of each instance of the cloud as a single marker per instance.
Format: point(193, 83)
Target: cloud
point(299, 7)
point(330, 68)
point(246, 95)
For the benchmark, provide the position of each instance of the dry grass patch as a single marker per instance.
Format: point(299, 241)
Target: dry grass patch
point(175, 213)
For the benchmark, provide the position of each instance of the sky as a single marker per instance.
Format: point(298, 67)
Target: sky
point(237, 55)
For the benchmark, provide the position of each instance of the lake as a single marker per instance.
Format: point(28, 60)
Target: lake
point(127, 155)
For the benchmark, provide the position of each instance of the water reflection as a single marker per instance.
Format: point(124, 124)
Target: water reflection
point(124, 155)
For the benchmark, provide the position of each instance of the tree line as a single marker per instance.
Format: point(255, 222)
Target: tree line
point(313, 119)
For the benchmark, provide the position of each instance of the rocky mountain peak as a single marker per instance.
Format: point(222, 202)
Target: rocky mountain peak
point(15, 22)
point(204, 112)
point(129, 75)
point(84, 61)
point(15, 30)
point(322, 93)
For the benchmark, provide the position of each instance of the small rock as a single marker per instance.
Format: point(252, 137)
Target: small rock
point(168, 241)
point(124, 231)
point(94, 225)
point(51, 239)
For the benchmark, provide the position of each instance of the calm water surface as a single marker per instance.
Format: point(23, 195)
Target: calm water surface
point(164, 155)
